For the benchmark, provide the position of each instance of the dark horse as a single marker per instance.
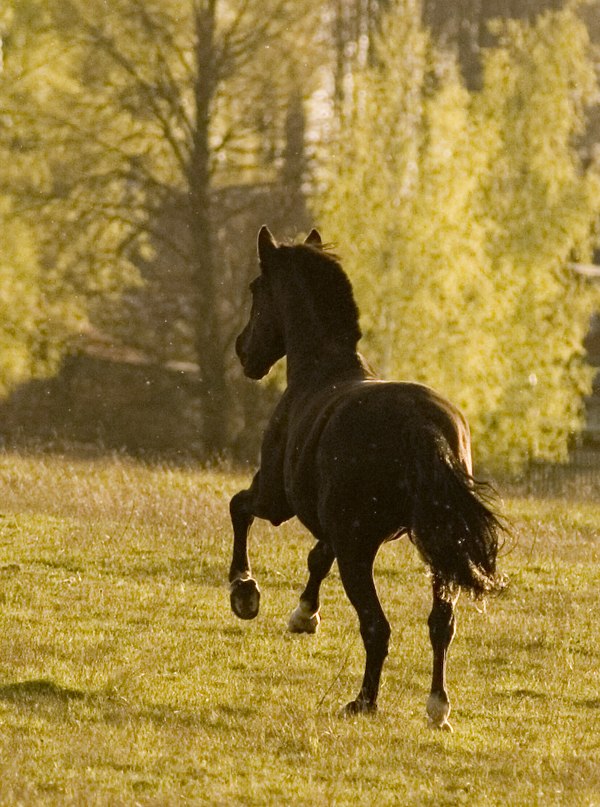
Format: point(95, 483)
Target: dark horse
point(359, 461)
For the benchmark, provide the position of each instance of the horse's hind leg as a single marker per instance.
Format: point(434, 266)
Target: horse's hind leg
point(442, 627)
point(305, 618)
point(244, 591)
point(357, 577)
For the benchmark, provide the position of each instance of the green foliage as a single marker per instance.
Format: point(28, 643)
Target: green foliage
point(41, 305)
point(70, 152)
point(33, 323)
point(457, 215)
point(536, 86)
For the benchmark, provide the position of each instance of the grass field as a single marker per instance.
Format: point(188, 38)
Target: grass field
point(125, 679)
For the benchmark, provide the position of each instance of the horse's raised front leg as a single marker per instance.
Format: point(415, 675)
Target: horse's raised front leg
point(442, 627)
point(244, 591)
point(305, 618)
point(356, 572)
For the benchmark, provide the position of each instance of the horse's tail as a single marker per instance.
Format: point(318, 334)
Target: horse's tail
point(453, 525)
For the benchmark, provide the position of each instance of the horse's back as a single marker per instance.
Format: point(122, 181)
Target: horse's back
point(379, 417)
point(362, 444)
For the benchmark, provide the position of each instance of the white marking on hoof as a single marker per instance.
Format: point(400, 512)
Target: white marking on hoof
point(438, 709)
point(303, 620)
point(442, 727)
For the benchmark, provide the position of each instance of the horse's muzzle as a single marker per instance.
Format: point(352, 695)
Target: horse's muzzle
point(255, 373)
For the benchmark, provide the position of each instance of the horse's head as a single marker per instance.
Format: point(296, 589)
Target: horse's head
point(262, 341)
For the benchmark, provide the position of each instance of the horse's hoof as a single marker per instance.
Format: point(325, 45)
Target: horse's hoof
point(438, 709)
point(445, 726)
point(358, 707)
point(302, 620)
point(245, 598)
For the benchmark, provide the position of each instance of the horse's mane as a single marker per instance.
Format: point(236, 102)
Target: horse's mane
point(329, 287)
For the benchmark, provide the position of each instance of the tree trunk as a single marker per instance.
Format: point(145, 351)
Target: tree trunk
point(215, 397)
point(294, 171)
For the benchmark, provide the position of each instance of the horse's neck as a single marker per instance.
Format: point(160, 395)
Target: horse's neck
point(323, 365)
point(316, 354)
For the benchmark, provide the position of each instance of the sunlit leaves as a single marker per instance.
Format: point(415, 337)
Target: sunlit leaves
point(34, 320)
point(457, 215)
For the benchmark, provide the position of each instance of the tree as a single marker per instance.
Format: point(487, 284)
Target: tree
point(354, 25)
point(464, 25)
point(161, 103)
point(457, 214)
point(537, 84)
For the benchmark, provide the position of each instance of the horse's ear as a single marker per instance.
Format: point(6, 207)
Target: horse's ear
point(314, 239)
point(266, 245)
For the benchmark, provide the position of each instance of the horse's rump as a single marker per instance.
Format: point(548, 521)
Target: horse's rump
point(394, 458)
point(374, 433)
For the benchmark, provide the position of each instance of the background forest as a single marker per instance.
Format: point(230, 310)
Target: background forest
point(447, 150)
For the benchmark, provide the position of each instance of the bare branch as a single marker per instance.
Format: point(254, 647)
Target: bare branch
point(240, 49)
point(149, 91)
point(173, 95)
point(91, 136)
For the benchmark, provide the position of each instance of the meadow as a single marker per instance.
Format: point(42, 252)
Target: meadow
point(125, 679)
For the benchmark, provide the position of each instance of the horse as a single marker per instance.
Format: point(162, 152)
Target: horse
point(359, 461)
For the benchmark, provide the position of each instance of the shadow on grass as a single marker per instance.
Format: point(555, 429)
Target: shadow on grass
point(39, 689)
point(589, 703)
point(521, 694)
point(118, 711)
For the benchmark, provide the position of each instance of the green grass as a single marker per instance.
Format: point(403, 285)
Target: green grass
point(125, 679)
